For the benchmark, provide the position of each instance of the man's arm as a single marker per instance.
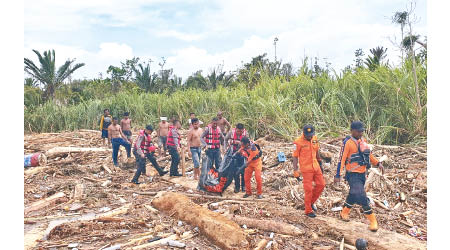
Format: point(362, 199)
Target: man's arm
point(342, 160)
point(227, 124)
point(109, 133)
point(175, 137)
point(101, 122)
point(295, 164)
point(138, 143)
point(205, 133)
point(189, 138)
point(121, 134)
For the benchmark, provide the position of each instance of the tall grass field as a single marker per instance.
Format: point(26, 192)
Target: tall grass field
point(383, 99)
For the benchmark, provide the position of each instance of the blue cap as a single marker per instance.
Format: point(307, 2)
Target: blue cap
point(308, 130)
point(357, 125)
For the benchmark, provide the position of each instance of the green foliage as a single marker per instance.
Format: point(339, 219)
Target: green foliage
point(376, 59)
point(383, 99)
point(47, 73)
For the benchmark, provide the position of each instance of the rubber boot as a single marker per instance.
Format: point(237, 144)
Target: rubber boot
point(373, 222)
point(345, 213)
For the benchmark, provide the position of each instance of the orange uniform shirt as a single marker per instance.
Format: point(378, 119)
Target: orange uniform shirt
point(250, 154)
point(349, 149)
point(306, 152)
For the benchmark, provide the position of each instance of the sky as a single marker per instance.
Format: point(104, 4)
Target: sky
point(197, 35)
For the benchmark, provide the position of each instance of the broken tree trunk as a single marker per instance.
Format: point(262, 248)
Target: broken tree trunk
point(382, 239)
point(268, 225)
point(65, 150)
point(220, 230)
point(44, 202)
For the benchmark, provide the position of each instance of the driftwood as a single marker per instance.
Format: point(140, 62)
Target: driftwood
point(53, 152)
point(230, 235)
point(345, 245)
point(44, 203)
point(268, 225)
point(118, 211)
point(206, 196)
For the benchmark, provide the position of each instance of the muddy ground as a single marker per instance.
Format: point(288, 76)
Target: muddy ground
point(70, 221)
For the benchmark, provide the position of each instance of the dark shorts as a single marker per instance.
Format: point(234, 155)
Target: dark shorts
point(104, 133)
point(127, 133)
point(163, 142)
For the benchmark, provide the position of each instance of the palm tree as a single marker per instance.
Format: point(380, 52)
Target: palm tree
point(144, 77)
point(401, 18)
point(47, 73)
point(378, 54)
point(409, 41)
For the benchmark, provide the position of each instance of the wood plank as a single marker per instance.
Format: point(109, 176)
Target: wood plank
point(44, 202)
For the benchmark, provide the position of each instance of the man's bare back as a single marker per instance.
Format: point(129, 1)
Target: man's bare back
point(163, 129)
point(193, 137)
point(125, 124)
point(115, 131)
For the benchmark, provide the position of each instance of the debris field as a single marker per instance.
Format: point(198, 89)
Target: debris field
point(79, 200)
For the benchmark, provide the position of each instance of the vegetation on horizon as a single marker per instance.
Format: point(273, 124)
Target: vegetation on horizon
point(268, 97)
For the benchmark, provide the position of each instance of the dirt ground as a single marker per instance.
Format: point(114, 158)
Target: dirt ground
point(71, 222)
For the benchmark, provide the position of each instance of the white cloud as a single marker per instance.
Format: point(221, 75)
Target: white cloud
point(326, 29)
point(98, 61)
point(179, 35)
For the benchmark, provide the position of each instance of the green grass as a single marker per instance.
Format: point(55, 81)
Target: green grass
point(384, 100)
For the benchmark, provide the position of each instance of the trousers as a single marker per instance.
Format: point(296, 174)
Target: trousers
point(248, 176)
point(357, 194)
point(116, 143)
point(312, 193)
point(175, 160)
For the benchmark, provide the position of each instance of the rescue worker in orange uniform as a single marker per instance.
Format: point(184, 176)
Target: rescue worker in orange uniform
point(233, 140)
point(355, 155)
point(254, 164)
point(306, 154)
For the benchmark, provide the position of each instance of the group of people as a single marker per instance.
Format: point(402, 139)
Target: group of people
point(355, 157)
point(219, 136)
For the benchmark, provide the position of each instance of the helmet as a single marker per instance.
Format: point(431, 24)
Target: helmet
point(361, 244)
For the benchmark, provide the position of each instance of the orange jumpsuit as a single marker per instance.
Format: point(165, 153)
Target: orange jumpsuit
point(306, 152)
point(253, 165)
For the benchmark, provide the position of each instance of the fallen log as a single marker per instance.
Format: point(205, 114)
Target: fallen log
point(268, 225)
point(382, 239)
point(44, 202)
point(220, 230)
point(53, 152)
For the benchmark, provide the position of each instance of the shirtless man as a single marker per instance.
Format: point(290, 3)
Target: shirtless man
point(125, 124)
point(117, 138)
point(192, 116)
point(162, 132)
point(221, 124)
point(194, 144)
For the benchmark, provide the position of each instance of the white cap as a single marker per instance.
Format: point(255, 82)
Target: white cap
point(163, 118)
